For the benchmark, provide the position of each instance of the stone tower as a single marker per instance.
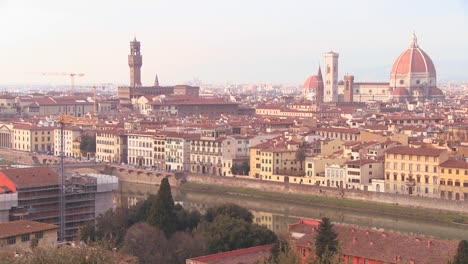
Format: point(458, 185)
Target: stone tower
point(348, 88)
point(135, 61)
point(331, 77)
point(319, 93)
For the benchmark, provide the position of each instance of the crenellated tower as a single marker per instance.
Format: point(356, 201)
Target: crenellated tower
point(135, 61)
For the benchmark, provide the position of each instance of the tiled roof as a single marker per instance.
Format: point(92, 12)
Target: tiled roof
point(20, 227)
point(245, 256)
point(31, 177)
point(461, 164)
point(416, 151)
point(381, 246)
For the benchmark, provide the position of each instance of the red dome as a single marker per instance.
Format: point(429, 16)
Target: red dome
point(312, 82)
point(400, 91)
point(436, 92)
point(413, 60)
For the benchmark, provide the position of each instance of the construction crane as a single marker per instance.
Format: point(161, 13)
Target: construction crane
point(94, 87)
point(69, 74)
point(62, 121)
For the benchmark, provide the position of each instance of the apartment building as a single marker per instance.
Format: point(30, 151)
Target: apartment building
point(360, 173)
point(235, 152)
point(453, 180)
point(29, 137)
point(70, 134)
point(206, 152)
point(141, 149)
point(276, 160)
point(413, 171)
point(159, 155)
point(111, 146)
point(177, 155)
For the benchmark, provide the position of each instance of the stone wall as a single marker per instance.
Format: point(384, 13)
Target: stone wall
point(141, 176)
point(386, 198)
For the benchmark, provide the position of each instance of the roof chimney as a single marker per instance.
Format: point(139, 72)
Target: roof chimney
point(429, 244)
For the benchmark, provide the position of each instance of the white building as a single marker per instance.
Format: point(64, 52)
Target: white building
point(70, 134)
point(178, 151)
point(140, 149)
point(335, 175)
point(360, 173)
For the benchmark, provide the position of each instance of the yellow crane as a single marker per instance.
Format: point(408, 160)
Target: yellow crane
point(72, 76)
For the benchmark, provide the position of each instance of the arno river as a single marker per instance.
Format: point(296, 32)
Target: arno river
point(277, 215)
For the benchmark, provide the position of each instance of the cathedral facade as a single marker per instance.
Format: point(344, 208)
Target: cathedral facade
point(412, 78)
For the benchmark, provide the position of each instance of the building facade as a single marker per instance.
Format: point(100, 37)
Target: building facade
point(453, 179)
point(413, 171)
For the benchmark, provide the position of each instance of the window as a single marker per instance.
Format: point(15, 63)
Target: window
point(39, 235)
point(25, 238)
point(11, 240)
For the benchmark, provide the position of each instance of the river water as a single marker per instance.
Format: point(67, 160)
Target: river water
point(278, 215)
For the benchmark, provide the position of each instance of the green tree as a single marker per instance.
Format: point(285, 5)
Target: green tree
point(227, 233)
point(326, 243)
point(88, 144)
point(112, 225)
point(186, 220)
point(301, 156)
point(282, 252)
point(87, 232)
point(229, 209)
point(462, 253)
point(161, 214)
point(142, 208)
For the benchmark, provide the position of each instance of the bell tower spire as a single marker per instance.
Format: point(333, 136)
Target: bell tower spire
point(135, 61)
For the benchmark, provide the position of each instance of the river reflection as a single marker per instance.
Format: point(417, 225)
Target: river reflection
point(278, 215)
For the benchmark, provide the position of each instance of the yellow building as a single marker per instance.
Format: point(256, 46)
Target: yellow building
point(111, 146)
point(17, 235)
point(276, 160)
point(29, 137)
point(413, 171)
point(454, 180)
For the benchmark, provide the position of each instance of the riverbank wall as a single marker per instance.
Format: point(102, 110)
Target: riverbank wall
point(385, 198)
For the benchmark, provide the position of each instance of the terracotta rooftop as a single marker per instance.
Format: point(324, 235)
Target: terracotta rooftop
point(416, 151)
point(381, 246)
point(30, 177)
point(20, 227)
point(245, 256)
point(461, 164)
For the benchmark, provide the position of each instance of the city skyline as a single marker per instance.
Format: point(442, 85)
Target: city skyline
point(241, 42)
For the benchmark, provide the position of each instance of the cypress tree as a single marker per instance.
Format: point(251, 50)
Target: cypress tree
point(161, 213)
point(326, 244)
point(462, 253)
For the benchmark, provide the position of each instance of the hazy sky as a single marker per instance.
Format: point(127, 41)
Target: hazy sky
point(222, 41)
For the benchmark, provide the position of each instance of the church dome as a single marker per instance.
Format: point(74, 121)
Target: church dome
point(436, 92)
point(413, 60)
point(400, 92)
point(312, 82)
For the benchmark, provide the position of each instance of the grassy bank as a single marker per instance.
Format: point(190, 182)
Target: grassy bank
point(354, 205)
